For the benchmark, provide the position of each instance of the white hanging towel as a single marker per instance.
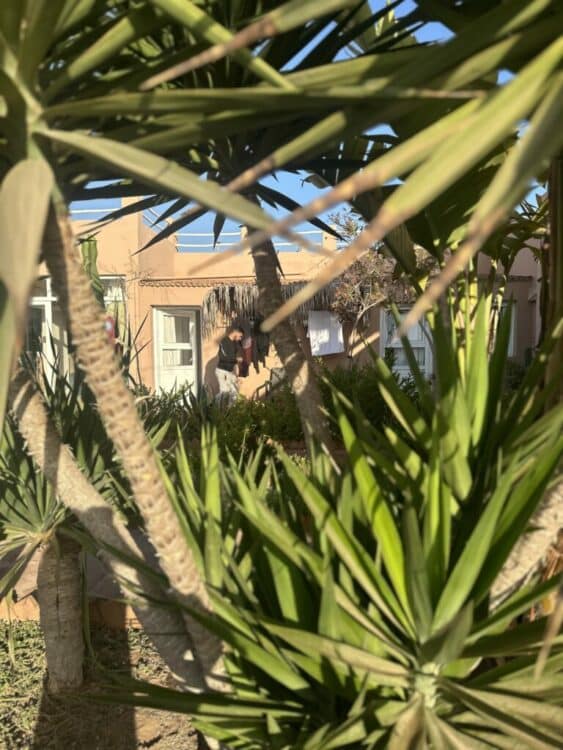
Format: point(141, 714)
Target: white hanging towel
point(325, 333)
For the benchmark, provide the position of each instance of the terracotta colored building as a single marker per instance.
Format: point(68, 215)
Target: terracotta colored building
point(179, 311)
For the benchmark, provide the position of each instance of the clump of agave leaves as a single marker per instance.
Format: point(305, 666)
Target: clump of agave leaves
point(354, 602)
point(30, 512)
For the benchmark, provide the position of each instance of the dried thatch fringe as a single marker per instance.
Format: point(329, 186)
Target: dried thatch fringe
point(241, 300)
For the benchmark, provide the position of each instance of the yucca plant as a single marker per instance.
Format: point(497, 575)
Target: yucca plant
point(70, 78)
point(430, 95)
point(355, 603)
point(55, 517)
point(71, 407)
point(33, 522)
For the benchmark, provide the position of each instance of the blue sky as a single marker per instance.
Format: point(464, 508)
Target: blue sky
point(292, 185)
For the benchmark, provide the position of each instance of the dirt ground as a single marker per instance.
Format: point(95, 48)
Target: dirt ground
point(30, 718)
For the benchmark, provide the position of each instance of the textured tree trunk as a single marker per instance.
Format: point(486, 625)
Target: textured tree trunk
point(299, 369)
point(529, 554)
point(162, 624)
point(554, 280)
point(117, 409)
point(60, 610)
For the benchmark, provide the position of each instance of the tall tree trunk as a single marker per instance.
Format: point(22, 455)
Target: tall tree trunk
point(530, 552)
point(554, 280)
point(162, 624)
point(60, 611)
point(123, 425)
point(299, 369)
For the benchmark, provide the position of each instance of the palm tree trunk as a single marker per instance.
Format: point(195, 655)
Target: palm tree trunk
point(554, 280)
point(60, 611)
point(162, 624)
point(117, 409)
point(299, 368)
point(529, 554)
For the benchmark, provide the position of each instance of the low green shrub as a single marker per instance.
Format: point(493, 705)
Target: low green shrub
point(246, 423)
point(243, 425)
point(358, 384)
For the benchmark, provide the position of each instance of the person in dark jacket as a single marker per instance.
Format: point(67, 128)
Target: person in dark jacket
point(229, 356)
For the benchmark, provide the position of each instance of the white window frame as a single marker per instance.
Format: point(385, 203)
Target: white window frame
point(157, 312)
point(424, 341)
point(46, 301)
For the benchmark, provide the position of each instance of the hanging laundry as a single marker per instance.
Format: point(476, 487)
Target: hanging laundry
point(246, 343)
point(261, 343)
point(325, 333)
point(246, 357)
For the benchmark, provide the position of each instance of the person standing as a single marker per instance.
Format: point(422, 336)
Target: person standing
point(244, 366)
point(229, 356)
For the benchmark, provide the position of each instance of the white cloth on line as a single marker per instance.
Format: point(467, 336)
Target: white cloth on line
point(325, 333)
point(228, 386)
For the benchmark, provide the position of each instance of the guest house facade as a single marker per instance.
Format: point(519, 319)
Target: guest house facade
point(178, 310)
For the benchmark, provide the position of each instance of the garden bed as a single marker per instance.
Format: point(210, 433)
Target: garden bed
point(30, 718)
